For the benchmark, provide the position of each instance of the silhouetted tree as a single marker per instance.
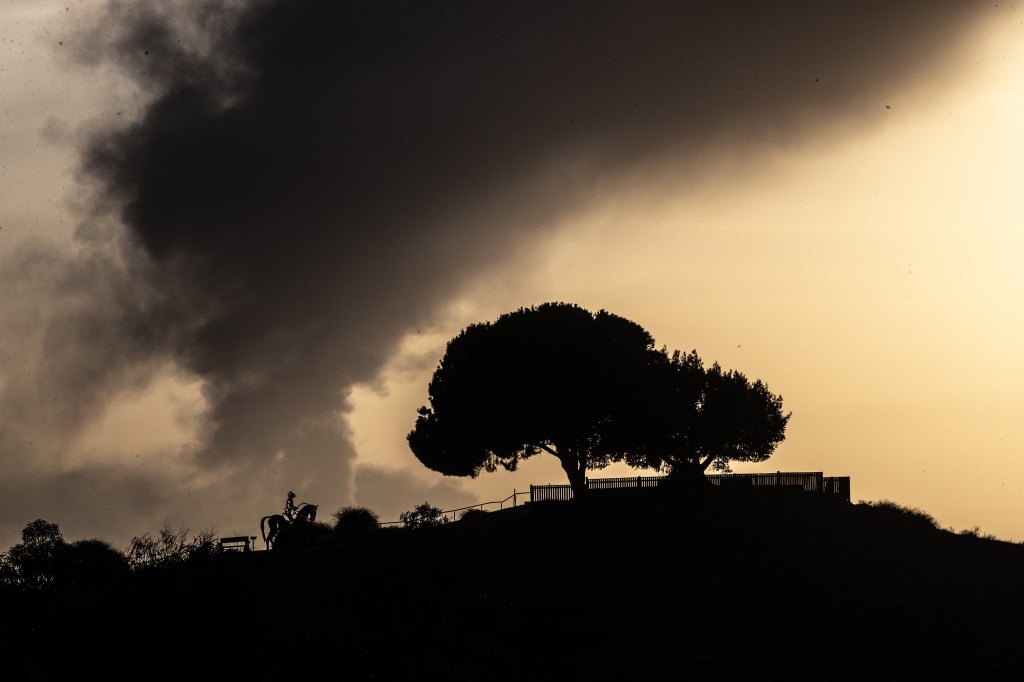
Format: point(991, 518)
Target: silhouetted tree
point(33, 562)
point(554, 378)
point(699, 418)
point(423, 516)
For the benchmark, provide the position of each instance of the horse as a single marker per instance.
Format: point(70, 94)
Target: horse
point(275, 522)
point(307, 512)
point(271, 525)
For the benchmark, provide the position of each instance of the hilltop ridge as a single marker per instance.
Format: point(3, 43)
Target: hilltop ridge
point(637, 583)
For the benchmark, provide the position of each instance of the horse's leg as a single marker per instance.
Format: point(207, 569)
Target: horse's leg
point(275, 528)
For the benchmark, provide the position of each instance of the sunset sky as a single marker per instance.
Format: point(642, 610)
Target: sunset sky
point(236, 236)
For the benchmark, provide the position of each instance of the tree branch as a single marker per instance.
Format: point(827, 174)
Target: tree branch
point(546, 448)
point(707, 462)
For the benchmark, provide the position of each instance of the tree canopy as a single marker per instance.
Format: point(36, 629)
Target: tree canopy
point(590, 389)
point(553, 378)
point(699, 418)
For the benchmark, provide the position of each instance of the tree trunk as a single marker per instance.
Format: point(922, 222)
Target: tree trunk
point(578, 483)
point(576, 471)
point(688, 477)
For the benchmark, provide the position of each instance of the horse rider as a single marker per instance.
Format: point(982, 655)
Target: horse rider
point(290, 510)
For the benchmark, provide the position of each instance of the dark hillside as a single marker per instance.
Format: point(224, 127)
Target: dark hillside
point(620, 586)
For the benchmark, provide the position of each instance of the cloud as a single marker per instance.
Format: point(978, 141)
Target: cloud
point(111, 504)
point(307, 181)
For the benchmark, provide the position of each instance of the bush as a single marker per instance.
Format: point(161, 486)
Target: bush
point(90, 564)
point(473, 515)
point(423, 516)
point(354, 523)
point(976, 532)
point(169, 548)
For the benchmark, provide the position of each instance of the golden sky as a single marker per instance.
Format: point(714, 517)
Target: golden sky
point(857, 249)
point(873, 278)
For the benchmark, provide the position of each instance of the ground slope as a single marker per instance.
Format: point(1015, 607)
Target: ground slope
point(625, 585)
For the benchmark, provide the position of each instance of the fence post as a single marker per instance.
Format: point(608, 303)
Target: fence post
point(513, 497)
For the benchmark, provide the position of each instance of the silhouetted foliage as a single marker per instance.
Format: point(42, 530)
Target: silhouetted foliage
point(33, 562)
point(169, 548)
point(553, 378)
point(45, 559)
point(423, 516)
point(590, 389)
point(91, 563)
point(473, 515)
point(355, 523)
point(917, 515)
point(976, 532)
point(695, 418)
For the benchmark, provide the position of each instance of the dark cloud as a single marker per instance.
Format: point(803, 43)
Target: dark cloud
point(311, 179)
point(111, 503)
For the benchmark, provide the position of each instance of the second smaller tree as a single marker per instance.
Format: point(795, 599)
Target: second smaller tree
point(705, 418)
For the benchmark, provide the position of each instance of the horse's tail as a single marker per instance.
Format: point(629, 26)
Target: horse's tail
point(263, 528)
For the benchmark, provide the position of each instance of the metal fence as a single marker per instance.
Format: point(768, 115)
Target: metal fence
point(811, 481)
point(453, 514)
point(624, 482)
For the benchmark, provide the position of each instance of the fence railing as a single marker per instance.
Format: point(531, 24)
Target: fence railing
point(837, 485)
point(453, 513)
point(810, 481)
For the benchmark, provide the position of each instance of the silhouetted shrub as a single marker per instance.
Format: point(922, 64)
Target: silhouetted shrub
point(321, 534)
point(355, 523)
point(169, 548)
point(976, 532)
point(423, 516)
point(473, 515)
point(90, 564)
point(913, 513)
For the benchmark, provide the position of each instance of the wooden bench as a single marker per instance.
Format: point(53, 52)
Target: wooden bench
point(239, 543)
